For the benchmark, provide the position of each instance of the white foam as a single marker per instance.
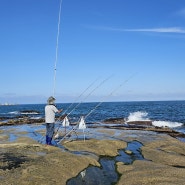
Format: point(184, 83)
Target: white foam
point(29, 113)
point(142, 116)
point(138, 116)
point(14, 112)
point(166, 124)
point(38, 117)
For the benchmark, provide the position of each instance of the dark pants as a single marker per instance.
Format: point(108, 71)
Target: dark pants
point(49, 132)
point(50, 129)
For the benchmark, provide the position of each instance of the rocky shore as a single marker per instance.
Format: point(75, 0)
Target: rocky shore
point(152, 158)
point(118, 123)
point(24, 119)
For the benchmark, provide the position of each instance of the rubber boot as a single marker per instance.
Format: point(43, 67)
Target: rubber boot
point(49, 141)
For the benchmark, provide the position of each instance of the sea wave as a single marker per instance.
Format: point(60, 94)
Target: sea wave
point(143, 116)
point(38, 117)
point(23, 113)
point(14, 112)
point(167, 124)
point(138, 116)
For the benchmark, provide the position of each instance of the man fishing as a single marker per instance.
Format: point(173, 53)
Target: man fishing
point(50, 111)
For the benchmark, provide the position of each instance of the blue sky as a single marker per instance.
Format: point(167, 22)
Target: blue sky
point(138, 41)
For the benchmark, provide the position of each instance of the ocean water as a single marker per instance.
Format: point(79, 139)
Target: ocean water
point(161, 113)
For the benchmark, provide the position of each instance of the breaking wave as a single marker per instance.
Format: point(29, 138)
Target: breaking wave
point(14, 112)
point(138, 116)
point(29, 113)
point(143, 116)
point(167, 124)
point(24, 112)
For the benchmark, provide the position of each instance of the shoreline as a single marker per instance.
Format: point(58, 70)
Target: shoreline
point(111, 123)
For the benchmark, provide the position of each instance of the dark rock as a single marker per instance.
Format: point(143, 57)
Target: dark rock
point(148, 123)
point(114, 120)
point(30, 112)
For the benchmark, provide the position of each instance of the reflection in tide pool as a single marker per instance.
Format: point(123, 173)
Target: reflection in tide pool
point(107, 173)
point(16, 131)
point(12, 137)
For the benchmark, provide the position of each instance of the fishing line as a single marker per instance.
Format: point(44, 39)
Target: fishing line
point(76, 126)
point(73, 103)
point(56, 54)
point(109, 95)
point(99, 85)
point(80, 95)
point(91, 93)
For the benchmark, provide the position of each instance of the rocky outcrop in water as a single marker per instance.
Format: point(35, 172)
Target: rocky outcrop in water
point(20, 120)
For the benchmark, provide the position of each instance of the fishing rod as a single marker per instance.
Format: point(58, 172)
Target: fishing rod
point(64, 116)
point(99, 85)
point(112, 92)
point(56, 54)
point(76, 126)
point(81, 95)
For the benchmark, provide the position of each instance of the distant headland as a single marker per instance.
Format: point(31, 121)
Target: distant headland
point(7, 104)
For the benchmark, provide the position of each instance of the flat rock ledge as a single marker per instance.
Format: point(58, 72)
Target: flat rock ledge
point(25, 162)
point(164, 165)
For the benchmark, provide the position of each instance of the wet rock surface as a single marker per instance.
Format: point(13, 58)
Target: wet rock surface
point(24, 119)
point(107, 172)
point(115, 120)
point(158, 160)
point(39, 164)
point(114, 123)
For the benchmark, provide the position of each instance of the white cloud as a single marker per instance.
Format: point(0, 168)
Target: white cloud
point(159, 30)
point(156, 30)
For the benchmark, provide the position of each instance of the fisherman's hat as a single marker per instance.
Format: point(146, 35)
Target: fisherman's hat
point(51, 100)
